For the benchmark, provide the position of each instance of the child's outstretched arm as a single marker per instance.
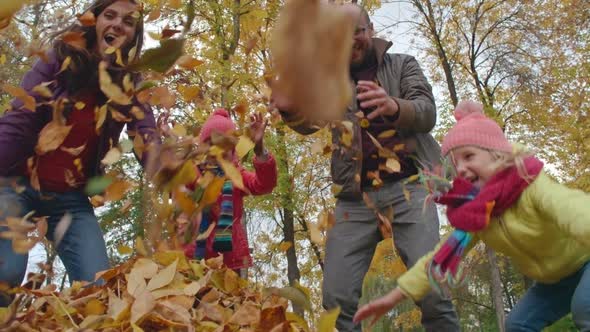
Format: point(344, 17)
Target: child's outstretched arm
point(264, 179)
point(380, 306)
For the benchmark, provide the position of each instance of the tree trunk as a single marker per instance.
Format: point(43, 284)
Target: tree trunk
point(496, 284)
point(284, 186)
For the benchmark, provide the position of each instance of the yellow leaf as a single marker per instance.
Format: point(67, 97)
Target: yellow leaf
point(327, 321)
point(387, 134)
point(111, 90)
point(244, 146)
point(154, 15)
point(285, 245)
point(94, 307)
point(112, 156)
point(136, 328)
point(163, 278)
point(117, 306)
point(231, 172)
point(20, 94)
point(336, 189)
point(175, 4)
point(124, 250)
point(406, 193)
point(179, 130)
point(364, 123)
point(189, 93)
point(100, 115)
point(9, 7)
point(393, 166)
point(2, 61)
point(168, 257)
point(42, 90)
point(51, 137)
point(65, 64)
point(140, 246)
point(296, 295)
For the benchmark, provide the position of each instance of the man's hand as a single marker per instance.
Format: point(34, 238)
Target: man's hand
point(379, 307)
point(257, 128)
point(372, 95)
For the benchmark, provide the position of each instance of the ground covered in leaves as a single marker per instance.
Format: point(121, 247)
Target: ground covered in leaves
point(162, 292)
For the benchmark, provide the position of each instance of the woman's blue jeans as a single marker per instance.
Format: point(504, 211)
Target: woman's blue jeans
point(544, 304)
point(82, 248)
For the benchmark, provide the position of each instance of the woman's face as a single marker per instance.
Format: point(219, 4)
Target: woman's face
point(116, 26)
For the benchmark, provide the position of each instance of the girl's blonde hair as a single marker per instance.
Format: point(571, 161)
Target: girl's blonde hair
point(508, 159)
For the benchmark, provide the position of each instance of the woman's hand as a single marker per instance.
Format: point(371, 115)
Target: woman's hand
point(257, 128)
point(379, 307)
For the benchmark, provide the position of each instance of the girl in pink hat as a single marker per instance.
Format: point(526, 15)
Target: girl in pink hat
point(502, 196)
point(229, 236)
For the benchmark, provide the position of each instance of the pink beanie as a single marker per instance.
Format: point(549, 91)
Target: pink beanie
point(218, 121)
point(474, 128)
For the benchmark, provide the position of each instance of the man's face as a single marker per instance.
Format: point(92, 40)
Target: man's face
point(363, 42)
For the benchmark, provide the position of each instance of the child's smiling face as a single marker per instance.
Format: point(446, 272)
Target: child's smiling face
point(474, 164)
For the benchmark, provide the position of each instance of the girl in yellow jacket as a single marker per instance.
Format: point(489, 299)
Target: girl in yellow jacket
point(503, 198)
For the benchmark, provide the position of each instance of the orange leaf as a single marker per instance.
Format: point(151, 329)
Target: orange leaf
point(87, 19)
point(74, 39)
point(20, 94)
point(188, 62)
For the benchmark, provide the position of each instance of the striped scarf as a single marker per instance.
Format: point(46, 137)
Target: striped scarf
point(470, 210)
point(222, 241)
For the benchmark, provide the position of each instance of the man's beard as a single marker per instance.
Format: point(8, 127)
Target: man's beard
point(368, 59)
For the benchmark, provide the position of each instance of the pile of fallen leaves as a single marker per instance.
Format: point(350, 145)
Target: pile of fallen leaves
point(162, 292)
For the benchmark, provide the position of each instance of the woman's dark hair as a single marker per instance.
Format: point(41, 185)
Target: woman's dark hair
point(82, 74)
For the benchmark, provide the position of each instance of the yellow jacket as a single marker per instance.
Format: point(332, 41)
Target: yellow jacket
point(546, 233)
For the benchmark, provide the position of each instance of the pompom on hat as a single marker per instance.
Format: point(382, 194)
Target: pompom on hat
point(219, 121)
point(474, 128)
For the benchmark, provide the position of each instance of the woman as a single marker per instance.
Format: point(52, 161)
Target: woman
point(53, 173)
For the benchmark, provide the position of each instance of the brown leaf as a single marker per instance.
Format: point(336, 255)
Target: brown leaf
point(51, 137)
point(137, 113)
point(20, 94)
point(247, 314)
point(116, 190)
point(311, 47)
point(188, 62)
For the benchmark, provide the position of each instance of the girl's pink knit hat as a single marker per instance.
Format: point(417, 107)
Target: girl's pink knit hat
point(474, 128)
point(219, 121)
